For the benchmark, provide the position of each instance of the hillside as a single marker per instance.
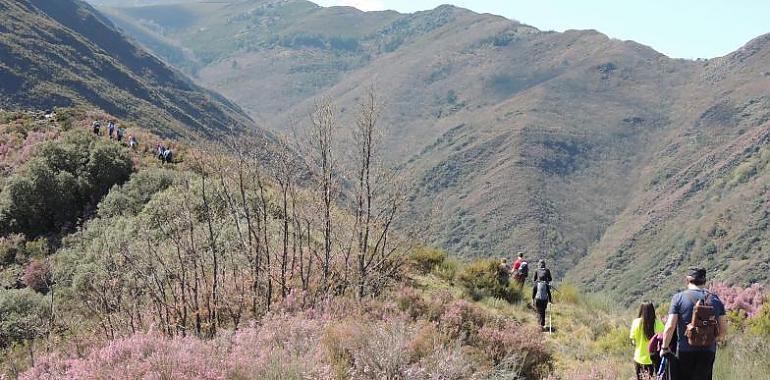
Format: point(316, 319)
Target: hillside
point(570, 146)
point(64, 53)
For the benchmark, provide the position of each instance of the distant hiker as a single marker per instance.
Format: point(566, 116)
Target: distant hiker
point(168, 155)
point(643, 329)
point(120, 133)
point(542, 273)
point(697, 317)
point(503, 272)
point(96, 126)
point(518, 261)
point(132, 143)
point(520, 270)
point(160, 151)
point(541, 296)
point(110, 129)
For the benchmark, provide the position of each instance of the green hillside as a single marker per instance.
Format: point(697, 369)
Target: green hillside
point(64, 53)
point(570, 146)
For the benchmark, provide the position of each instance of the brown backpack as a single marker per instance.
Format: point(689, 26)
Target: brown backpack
point(703, 329)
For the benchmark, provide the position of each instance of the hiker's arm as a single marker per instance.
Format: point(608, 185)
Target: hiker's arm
point(669, 330)
point(722, 328)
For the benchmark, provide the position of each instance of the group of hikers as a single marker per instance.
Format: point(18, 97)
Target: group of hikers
point(541, 289)
point(682, 346)
point(117, 132)
point(114, 131)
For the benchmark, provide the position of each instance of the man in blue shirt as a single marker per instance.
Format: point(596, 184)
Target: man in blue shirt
point(693, 363)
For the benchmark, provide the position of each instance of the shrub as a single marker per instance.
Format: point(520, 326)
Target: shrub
point(509, 342)
point(425, 259)
point(62, 181)
point(12, 249)
point(741, 300)
point(131, 197)
point(24, 315)
point(480, 279)
point(37, 276)
point(447, 269)
point(759, 324)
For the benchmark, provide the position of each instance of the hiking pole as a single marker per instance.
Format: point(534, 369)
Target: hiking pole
point(662, 368)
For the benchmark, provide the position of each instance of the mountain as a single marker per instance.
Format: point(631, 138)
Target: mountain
point(63, 53)
point(570, 146)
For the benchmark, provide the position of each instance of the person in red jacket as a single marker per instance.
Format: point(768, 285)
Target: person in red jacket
point(517, 263)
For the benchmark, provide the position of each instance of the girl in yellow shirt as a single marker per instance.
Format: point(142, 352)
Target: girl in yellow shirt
point(642, 330)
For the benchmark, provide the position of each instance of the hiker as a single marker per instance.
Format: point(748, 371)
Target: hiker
point(518, 261)
point(643, 329)
point(167, 155)
point(520, 270)
point(160, 151)
point(110, 129)
point(542, 273)
point(132, 143)
point(503, 272)
point(120, 133)
point(96, 126)
point(541, 296)
point(697, 317)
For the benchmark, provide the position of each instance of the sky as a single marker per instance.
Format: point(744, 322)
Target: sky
point(678, 28)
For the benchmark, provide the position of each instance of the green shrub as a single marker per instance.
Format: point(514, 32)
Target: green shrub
point(480, 279)
point(425, 259)
point(759, 324)
point(60, 183)
point(12, 249)
point(447, 270)
point(130, 198)
point(24, 315)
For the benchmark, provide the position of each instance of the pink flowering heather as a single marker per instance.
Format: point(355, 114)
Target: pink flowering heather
point(284, 345)
point(37, 276)
point(748, 300)
point(142, 356)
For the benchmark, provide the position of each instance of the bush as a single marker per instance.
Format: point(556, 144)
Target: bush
point(12, 249)
point(37, 276)
point(24, 315)
point(512, 343)
point(62, 181)
point(447, 270)
point(480, 279)
point(131, 197)
point(425, 259)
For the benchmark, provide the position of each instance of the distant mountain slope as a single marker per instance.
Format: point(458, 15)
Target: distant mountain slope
point(703, 196)
point(60, 53)
point(558, 144)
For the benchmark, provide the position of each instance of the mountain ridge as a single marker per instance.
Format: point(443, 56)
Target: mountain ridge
point(516, 138)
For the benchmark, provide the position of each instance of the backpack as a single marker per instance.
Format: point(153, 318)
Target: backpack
point(703, 329)
point(542, 291)
point(524, 270)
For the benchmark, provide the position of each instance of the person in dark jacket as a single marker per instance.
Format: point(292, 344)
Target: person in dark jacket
point(542, 273)
point(541, 296)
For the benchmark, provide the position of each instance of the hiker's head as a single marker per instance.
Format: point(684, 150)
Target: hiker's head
point(647, 313)
point(647, 310)
point(541, 263)
point(696, 276)
point(521, 255)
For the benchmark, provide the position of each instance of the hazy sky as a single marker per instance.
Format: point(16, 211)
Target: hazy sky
point(677, 28)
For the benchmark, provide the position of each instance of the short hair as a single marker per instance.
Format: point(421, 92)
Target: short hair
point(696, 281)
point(521, 254)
